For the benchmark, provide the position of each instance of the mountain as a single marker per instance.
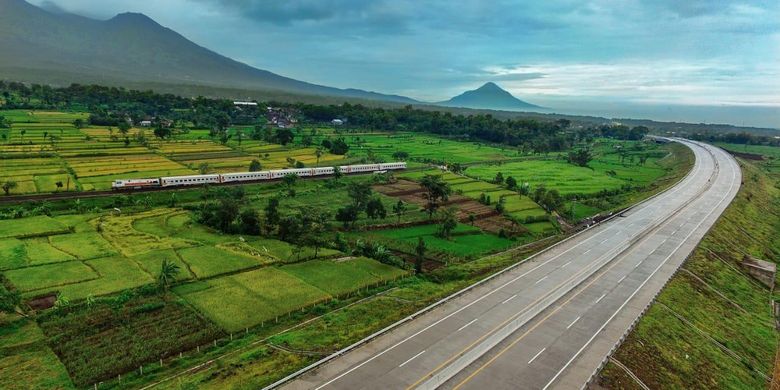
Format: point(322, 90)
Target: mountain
point(60, 48)
point(489, 96)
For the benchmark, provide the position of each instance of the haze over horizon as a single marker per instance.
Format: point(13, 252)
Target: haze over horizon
point(697, 61)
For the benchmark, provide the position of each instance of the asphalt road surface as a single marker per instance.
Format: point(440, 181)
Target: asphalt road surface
point(550, 322)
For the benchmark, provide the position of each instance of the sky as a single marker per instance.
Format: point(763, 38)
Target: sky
point(570, 54)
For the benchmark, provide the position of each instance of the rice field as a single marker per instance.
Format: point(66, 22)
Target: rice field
point(274, 292)
point(466, 240)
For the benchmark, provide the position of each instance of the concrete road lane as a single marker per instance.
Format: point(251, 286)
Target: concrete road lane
point(550, 321)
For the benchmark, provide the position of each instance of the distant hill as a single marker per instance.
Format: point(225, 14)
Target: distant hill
point(489, 96)
point(60, 48)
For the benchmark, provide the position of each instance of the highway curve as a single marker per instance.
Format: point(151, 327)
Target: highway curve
point(550, 322)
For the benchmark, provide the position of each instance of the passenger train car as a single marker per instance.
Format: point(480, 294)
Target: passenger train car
point(193, 180)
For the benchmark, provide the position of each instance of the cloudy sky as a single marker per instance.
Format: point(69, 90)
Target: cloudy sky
point(696, 52)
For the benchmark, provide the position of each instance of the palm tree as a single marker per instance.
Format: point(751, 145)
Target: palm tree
point(168, 272)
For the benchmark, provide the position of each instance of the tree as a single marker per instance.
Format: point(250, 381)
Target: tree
point(448, 223)
point(290, 181)
point(123, 127)
point(339, 146)
point(472, 219)
point(284, 136)
point(337, 174)
point(272, 215)
point(347, 215)
point(162, 132)
point(511, 183)
point(4, 123)
point(400, 155)
point(168, 272)
point(436, 189)
point(375, 209)
point(499, 179)
point(501, 205)
point(360, 193)
point(8, 185)
point(319, 153)
point(551, 200)
point(255, 166)
point(316, 224)
point(399, 208)
point(204, 168)
point(420, 251)
point(307, 140)
point(78, 123)
point(580, 157)
point(9, 299)
point(249, 222)
point(22, 133)
point(525, 189)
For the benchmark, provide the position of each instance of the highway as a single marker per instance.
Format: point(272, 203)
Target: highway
point(550, 322)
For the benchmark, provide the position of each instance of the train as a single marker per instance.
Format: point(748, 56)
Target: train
point(218, 178)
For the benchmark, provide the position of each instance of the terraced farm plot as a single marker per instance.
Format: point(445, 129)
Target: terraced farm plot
point(119, 231)
point(50, 275)
point(286, 252)
point(194, 153)
point(98, 172)
point(207, 261)
point(36, 174)
point(424, 147)
point(559, 175)
point(115, 274)
point(270, 292)
point(31, 227)
point(41, 251)
point(83, 246)
point(15, 253)
point(341, 277)
point(608, 171)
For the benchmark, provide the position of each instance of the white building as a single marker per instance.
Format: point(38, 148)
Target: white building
point(337, 122)
point(146, 123)
point(253, 104)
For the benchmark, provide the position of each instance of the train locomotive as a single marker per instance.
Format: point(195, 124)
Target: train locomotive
point(218, 178)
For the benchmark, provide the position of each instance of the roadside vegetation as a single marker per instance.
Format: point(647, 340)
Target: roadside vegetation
point(713, 326)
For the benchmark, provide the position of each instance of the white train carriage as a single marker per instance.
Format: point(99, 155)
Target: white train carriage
point(324, 171)
point(360, 168)
point(192, 180)
point(280, 173)
point(245, 176)
point(135, 184)
point(392, 166)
